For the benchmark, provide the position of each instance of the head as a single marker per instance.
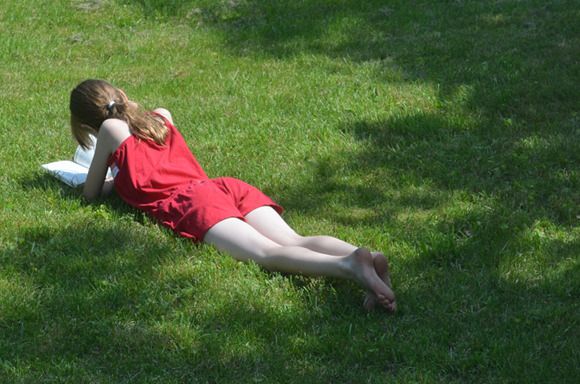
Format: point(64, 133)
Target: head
point(94, 101)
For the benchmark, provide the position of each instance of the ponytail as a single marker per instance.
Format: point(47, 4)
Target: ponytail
point(94, 101)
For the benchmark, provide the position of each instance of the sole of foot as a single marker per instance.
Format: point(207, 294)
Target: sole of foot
point(381, 266)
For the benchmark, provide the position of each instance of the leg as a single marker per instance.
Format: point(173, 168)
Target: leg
point(244, 243)
point(270, 224)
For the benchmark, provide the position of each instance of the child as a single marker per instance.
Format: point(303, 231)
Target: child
point(155, 171)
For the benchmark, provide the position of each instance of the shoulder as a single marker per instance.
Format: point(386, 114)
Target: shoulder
point(165, 113)
point(114, 132)
point(112, 124)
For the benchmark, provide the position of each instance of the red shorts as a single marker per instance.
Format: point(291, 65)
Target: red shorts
point(193, 209)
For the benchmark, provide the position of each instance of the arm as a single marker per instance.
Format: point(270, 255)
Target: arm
point(111, 134)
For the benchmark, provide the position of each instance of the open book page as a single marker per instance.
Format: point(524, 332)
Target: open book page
point(74, 173)
point(68, 172)
point(83, 156)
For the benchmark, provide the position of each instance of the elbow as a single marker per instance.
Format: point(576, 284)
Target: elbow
point(90, 194)
point(90, 197)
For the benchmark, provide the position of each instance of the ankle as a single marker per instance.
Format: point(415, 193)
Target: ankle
point(347, 266)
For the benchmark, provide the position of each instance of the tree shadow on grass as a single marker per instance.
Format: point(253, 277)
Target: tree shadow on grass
point(118, 308)
point(113, 308)
point(533, 172)
point(519, 58)
point(109, 299)
point(45, 181)
point(491, 218)
point(107, 302)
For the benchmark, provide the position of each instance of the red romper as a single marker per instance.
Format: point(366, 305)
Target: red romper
point(167, 182)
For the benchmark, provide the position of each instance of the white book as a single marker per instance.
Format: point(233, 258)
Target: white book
point(74, 172)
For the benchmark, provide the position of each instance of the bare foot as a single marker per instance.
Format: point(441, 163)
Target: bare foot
point(363, 267)
point(382, 269)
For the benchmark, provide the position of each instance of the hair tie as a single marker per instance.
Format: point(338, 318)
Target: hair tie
point(111, 105)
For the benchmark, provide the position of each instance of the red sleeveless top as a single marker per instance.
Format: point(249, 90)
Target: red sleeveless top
point(147, 173)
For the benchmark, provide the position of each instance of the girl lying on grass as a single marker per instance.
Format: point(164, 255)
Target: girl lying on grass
point(155, 171)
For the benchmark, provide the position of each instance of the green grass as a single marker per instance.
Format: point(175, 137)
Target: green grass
point(446, 134)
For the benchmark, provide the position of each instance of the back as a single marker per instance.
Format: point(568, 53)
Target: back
point(147, 173)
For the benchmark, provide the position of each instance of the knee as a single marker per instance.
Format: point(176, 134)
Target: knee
point(293, 240)
point(263, 253)
point(258, 253)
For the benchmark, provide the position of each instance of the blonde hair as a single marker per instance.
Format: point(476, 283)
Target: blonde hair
point(94, 101)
